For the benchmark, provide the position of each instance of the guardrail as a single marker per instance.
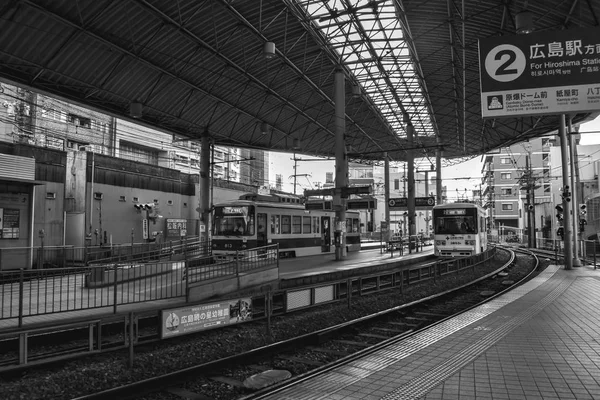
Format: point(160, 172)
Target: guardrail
point(264, 306)
point(26, 292)
point(11, 258)
point(205, 268)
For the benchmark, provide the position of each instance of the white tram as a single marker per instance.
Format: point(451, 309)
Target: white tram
point(257, 220)
point(460, 229)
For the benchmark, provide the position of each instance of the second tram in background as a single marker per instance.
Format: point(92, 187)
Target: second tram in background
point(257, 220)
point(460, 229)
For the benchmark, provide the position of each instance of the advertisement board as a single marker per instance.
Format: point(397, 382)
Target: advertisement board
point(182, 321)
point(176, 227)
point(550, 72)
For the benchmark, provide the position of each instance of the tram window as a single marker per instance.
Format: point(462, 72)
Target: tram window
point(286, 224)
point(296, 224)
point(274, 223)
point(306, 225)
point(348, 225)
point(316, 225)
point(250, 226)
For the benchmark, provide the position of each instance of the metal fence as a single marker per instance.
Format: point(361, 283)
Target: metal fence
point(204, 268)
point(30, 292)
point(70, 256)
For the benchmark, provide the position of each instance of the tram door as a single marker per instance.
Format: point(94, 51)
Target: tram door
point(325, 234)
point(261, 232)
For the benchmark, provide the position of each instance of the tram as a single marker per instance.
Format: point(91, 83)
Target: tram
point(257, 220)
point(459, 229)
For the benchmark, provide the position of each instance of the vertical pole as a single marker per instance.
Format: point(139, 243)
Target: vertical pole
point(438, 174)
point(410, 130)
point(405, 213)
point(131, 333)
point(528, 188)
point(564, 155)
point(341, 165)
point(295, 171)
point(204, 209)
point(21, 282)
point(386, 187)
point(574, 196)
point(115, 289)
point(427, 211)
point(532, 181)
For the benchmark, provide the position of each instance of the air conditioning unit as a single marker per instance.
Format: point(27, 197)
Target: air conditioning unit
point(84, 148)
point(51, 195)
point(98, 196)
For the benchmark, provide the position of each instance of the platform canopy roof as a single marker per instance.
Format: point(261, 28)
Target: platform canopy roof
point(197, 66)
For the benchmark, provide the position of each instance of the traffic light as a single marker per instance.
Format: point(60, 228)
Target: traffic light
point(582, 217)
point(559, 211)
point(566, 195)
point(141, 207)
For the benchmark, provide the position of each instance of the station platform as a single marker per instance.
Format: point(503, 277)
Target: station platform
point(539, 341)
point(289, 269)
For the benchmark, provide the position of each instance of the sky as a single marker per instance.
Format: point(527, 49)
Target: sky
point(461, 176)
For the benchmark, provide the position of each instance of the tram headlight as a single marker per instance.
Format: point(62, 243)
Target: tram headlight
point(440, 242)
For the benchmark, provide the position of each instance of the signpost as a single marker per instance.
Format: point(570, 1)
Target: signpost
point(420, 202)
point(550, 72)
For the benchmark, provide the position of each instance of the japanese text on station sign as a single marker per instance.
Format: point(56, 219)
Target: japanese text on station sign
point(540, 73)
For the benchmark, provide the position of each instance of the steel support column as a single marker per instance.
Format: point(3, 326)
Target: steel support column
point(205, 178)
point(564, 159)
point(574, 197)
point(341, 166)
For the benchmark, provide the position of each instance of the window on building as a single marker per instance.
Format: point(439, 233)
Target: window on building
point(52, 114)
point(546, 142)
point(506, 192)
point(547, 189)
point(505, 161)
point(546, 173)
point(396, 184)
point(79, 120)
point(505, 175)
point(545, 156)
point(130, 151)
point(507, 207)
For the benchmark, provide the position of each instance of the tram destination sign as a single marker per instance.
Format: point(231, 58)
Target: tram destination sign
point(550, 72)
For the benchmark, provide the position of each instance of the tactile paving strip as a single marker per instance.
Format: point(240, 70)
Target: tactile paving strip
point(332, 384)
point(422, 384)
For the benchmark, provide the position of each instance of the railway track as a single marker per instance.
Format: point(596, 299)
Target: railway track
point(302, 356)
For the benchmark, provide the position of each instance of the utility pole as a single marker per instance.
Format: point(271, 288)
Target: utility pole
point(527, 182)
point(295, 175)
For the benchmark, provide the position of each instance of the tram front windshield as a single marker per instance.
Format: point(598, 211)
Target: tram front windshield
point(233, 221)
point(455, 221)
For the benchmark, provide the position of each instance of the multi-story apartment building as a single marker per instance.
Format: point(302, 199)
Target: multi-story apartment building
point(515, 178)
point(586, 188)
point(45, 121)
